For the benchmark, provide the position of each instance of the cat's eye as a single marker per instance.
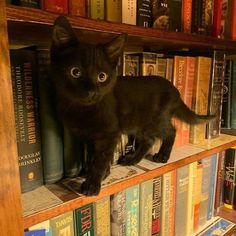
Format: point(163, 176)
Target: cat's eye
point(102, 77)
point(75, 72)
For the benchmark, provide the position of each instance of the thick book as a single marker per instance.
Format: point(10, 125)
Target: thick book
point(102, 217)
point(63, 224)
point(229, 178)
point(216, 94)
point(132, 210)
point(186, 17)
point(156, 206)
point(129, 12)
point(56, 6)
point(144, 13)
point(145, 210)
point(226, 101)
point(96, 9)
point(51, 130)
point(27, 3)
point(118, 213)
point(25, 99)
point(113, 10)
point(84, 220)
point(77, 7)
point(233, 97)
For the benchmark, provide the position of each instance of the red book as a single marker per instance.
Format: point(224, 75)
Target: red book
point(56, 6)
point(187, 16)
point(230, 29)
point(77, 8)
point(216, 27)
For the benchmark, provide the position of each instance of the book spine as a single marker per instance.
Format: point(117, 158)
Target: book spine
point(145, 211)
point(113, 10)
point(156, 206)
point(102, 217)
point(144, 13)
point(51, 131)
point(84, 220)
point(97, 9)
point(118, 213)
point(161, 66)
point(216, 25)
point(27, 3)
point(131, 64)
point(77, 8)
point(24, 75)
point(56, 6)
point(186, 16)
point(233, 20)
point(233, 97)
point(216, 94)
point(175, 7)
point(169, 69)
point(226, 102)
point(224, 18)
point(129, 12)
point(148, 64)
point(132, 211)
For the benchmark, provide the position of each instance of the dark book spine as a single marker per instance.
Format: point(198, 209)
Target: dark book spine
point(226, 103)
point(24, 73)
point(233, 96)
point(144, 13)
point(229, 178)
point(175, 7)
point(27, 3)
point(216, 94)
point(51, 131)
point(196, 15)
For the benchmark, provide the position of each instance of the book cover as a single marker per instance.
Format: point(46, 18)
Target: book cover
point(226, 101)
point(36, 232)
point(224, 18)
point(129, 12)
point(118, 213)
point(84, 220)
point(51, 131)
point(230, 24)
point(63, 224)
point(148, 63)
point(200, 96)
point(96, 9)
point(145, 210)
point(42, 226)
point(144, 13)
point(216, 94)
point(113, 10)
point(169, 69)
point(168, 203)
point(132, 211)
point(175, 15)
point(186, 17)
point(161, 66)
point(196, 15)
point(77, 8)
point(27, 3)
point(216, 25)
point(156, 206)
point(56, 6)
point(131, 63)
point(25, 99)
point(229, 178)
point(233, 96)
point(182, 185)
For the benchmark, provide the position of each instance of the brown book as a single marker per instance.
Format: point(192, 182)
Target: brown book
point(77, 8)
point(161, 66)
point(230, 29)
point(56, 6)
point(169, 68)
point(200, 96)
point(113, 10)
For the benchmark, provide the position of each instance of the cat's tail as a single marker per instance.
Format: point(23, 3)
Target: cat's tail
point(190, 117)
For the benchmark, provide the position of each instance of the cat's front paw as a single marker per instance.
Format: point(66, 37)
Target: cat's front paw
point(90, 188)
point(160, 158)
point(127, 160)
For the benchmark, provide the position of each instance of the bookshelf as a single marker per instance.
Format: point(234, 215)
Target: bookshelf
point(23, 25)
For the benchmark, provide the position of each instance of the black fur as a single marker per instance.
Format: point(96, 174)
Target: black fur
point(99, 112)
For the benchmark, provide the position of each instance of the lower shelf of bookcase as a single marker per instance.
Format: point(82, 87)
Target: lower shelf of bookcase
point(180, 156)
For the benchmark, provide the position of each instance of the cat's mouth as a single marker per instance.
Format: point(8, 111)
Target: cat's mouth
point(91, 99)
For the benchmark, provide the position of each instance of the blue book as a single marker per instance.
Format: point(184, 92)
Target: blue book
point(37, 232)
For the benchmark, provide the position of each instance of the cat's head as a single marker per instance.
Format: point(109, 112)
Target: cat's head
point(83, 72)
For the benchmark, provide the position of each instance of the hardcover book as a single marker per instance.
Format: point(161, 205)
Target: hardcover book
point(77, 8)
point(129, 12)
point(216, 25)
point(186, 16)
point(96, 9)
point(113, 10)
point(24, 79)
point(148, 63)
point(175, 7)
point(56, 6)
point(131, 63)
point(144, 13)
point(230, 29)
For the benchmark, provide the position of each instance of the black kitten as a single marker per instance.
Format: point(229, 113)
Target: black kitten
point(98, 107)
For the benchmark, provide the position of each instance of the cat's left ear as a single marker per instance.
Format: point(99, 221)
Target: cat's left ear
point(115, 48)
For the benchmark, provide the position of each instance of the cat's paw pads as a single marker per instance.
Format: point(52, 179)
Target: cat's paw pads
point(90, 188)
point(160, 158)
point(127, 160)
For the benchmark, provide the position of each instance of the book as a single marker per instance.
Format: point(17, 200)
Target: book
point(229, 178)
point(186, 18)
point(224, 18)
point(42, 226)
point(200, 96)
point(182, 185)
point(216, 25)
point(56, 6)
point(216, 94)
point(145, 210)
point(118, 213)
point(129, 12)
point(63, 224)
point(102, 217)
point(161, 66)
point(96, 9)
point(131, 64)
point(233, 96)
point(168, 203)
point(144, 13)
point(169, 69)
point(113, 11)
point(156, 206)
point(175, 15)
point(24, 79)
point(36, 232)
point(84, 220)
point(27, 3)
point(132, 210)
point(226, 101)
point(51, 131)
point(230, 31)
point(196, 15)
point(77, 8)
point(148, 63)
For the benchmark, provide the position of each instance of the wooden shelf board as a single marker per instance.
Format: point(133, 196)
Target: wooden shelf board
point(73, 201)
point(228, 214)
point(98, 31)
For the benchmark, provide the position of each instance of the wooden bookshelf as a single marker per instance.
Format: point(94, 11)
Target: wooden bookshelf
point(73, 201)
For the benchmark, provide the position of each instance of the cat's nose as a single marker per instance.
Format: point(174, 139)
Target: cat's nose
point(91, 94)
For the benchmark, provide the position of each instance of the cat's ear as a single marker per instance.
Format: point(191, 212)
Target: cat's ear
point(115, 48)
point(63, 34)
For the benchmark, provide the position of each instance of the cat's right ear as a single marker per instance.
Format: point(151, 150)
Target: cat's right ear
point(63, 35)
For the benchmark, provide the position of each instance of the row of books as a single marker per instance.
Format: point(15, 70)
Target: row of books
point(181, 202)
point(208, 17)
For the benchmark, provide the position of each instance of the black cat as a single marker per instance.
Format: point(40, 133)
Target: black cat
point(98, 107)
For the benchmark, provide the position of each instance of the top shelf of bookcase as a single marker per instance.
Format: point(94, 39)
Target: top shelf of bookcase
point(36, 25)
